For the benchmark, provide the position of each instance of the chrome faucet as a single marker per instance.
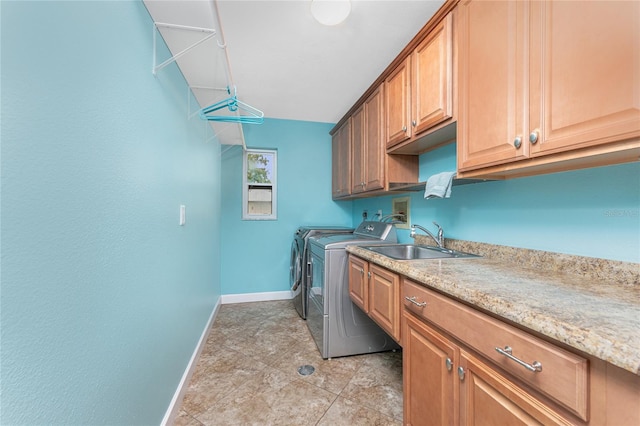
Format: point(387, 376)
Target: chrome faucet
point(439, 239)
point(388, 216)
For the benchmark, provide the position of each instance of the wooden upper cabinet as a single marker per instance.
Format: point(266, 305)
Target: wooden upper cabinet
point(368, 171)
point(538, 79)
point(419, 92)
point(358, 151)
point(491, 83)
point(432, 71)
point(341, 161)
point(375, 156)
point(584, 74)
point(397, 103)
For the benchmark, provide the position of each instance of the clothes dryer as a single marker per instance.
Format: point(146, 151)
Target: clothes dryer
point(298, 269)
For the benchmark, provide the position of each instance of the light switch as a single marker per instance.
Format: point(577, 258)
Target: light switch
point(183, 214)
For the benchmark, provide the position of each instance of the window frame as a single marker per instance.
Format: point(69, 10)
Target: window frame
point(273, 184)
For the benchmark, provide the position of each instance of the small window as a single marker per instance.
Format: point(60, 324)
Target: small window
point(259, 193)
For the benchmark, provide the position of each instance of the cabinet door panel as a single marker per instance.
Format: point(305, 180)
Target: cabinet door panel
point(358, 151)
point(433, 75)
point(487, 398)
point(397, 104)
point(428, 384)
point(585, 76)
point(491, 80)
point(375, 146)
point(341, 161)
point(358, 288)
point(384, 300)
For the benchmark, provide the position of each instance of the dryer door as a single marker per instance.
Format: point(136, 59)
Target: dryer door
point(295, 267)
point(295, 278)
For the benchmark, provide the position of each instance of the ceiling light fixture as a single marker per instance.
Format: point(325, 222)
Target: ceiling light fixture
point(330, 12)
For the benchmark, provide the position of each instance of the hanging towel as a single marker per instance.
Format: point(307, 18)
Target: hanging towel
point(439, 186)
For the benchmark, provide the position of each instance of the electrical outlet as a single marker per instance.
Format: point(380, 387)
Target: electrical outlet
point(364, 215)
point(379, 214)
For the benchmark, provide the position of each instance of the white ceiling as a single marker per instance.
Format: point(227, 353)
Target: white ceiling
point(285, 63)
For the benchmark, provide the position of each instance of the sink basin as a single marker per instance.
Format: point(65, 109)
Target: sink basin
point(416, 252)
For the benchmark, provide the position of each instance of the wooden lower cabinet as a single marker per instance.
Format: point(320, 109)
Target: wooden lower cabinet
point(444, 384)
point(429, 387)
point(488, 398)
point(376, 291)
point(453, 373)
point(359, 282)
point(384, 299)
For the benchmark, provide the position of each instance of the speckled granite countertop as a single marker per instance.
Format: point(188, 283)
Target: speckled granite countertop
point(592, 305)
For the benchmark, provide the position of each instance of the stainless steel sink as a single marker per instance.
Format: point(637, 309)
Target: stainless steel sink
point(416, 252)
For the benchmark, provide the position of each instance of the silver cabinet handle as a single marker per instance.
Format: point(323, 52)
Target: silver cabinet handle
point(461, 373)
point(449, 364)
point(517, 142)
point(412, 299)
point(535, 366)
point(413, 123)
point(533, 137)
point(361, 271)
point(404, 128)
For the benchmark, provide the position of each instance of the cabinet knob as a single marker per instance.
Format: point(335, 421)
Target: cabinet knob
point(361, 271)
point(413, 123)
point(461, 373)
point(449, 364)
point(404, 128)
point(517, 142)
point(533, 136)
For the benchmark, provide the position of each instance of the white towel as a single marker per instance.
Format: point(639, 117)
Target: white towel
point(439, 186)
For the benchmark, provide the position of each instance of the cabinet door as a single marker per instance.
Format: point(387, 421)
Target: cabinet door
point(488, 398)
point(585, 80)
point(358, 282)
point(341, 161)
point(492, 87)
point(359, 151)
point(428, 361)
point(374, 158)
point(384, 300)
point(397, 98)
point(432, 82)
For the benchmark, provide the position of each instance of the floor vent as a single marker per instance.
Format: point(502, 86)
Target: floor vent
point(306, 370)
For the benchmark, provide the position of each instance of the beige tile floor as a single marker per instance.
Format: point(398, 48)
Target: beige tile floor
point(247, 374)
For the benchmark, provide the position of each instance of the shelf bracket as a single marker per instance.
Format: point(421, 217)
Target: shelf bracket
point(210, 33)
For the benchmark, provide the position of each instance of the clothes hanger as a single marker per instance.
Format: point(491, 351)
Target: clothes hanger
point(252, 116)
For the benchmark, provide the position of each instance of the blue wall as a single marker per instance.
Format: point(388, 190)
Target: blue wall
point(104, 296)
point(591, 212)
point(255, 257)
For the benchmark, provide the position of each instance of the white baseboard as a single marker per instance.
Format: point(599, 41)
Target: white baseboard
point(176, 402)
point(228, 299)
